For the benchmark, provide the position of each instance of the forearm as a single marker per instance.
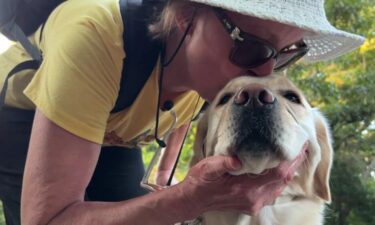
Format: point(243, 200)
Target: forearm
point(164, 208)
point(58, 169)
point(170, 154)
point(173, 146)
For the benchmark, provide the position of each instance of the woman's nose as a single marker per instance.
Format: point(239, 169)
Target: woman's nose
point(264, 69)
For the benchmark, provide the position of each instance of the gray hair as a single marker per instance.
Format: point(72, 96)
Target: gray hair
point(165, 22)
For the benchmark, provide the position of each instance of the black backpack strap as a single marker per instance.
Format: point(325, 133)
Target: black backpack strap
point(141, 49)
point(30, 64)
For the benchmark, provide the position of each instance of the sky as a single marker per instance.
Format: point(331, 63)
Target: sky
point(4, 43)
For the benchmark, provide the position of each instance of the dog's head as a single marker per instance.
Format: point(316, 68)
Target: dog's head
point(264, 121)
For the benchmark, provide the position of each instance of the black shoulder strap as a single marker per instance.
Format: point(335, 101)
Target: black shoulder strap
point(26, 65)
point(141, 49)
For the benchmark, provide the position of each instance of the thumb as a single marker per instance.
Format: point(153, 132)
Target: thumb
point(286, 170)
point(216, 166)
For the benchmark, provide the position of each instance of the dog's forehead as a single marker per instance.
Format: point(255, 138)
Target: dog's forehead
point(274, 81)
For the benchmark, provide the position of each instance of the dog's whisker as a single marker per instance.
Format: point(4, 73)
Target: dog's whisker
point(307, 163)
point(223, 131)
point(291, 113)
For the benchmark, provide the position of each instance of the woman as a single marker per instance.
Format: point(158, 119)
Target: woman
point(207, 43)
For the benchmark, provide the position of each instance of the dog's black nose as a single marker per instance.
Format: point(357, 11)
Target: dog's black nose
point(255, 94)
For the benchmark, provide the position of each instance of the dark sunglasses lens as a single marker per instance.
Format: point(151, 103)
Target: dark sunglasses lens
point(249, 54)
point(285, 59)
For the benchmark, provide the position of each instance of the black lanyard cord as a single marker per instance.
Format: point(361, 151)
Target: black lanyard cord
point(168, 104)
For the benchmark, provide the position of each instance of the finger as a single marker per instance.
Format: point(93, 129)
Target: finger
point(216, 166)
point(287, 170)
point(298, 161)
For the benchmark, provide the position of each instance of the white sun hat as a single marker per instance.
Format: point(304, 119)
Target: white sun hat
point(324, 40)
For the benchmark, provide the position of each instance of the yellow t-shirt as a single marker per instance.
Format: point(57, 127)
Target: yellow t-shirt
point(78, 82)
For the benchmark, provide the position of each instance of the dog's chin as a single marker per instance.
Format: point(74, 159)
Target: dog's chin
point(261, 162)
point(256, 164)
point(261, 169)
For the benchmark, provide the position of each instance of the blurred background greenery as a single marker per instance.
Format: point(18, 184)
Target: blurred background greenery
point(344, 89)
point(2, 219)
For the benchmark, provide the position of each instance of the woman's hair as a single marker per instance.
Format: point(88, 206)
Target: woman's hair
point(165, 22)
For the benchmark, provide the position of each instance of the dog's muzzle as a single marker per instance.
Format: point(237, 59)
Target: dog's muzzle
point(255, 120)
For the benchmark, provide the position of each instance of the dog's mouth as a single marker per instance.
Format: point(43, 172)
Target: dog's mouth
point(255, 141)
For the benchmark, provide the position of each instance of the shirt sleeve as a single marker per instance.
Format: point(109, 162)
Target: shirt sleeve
point(77, 84)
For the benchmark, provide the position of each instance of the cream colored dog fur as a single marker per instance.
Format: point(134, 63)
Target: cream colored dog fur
point(265, 121)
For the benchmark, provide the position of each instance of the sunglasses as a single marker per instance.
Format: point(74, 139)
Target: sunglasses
point(250, 51)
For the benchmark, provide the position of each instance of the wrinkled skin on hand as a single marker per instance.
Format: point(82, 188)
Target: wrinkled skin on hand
point(209, 186)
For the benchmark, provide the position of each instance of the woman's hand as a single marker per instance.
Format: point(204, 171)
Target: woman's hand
point(209, 186)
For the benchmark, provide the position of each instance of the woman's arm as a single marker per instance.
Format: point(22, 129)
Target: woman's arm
point(58, 169)
point(60, 165)
point(168, 158)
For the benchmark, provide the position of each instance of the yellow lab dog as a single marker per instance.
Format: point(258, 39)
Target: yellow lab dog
point(264, 121)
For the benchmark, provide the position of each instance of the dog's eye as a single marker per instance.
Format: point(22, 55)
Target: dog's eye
point(224, 99)
point(292, 96)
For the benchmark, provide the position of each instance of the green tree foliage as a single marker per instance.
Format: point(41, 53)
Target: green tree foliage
point(2, 219)
point(344, 89)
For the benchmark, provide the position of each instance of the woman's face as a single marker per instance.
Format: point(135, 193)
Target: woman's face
point(208, 47)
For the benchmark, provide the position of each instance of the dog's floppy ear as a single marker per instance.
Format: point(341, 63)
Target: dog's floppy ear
point(322, 173)
point(200, 138)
